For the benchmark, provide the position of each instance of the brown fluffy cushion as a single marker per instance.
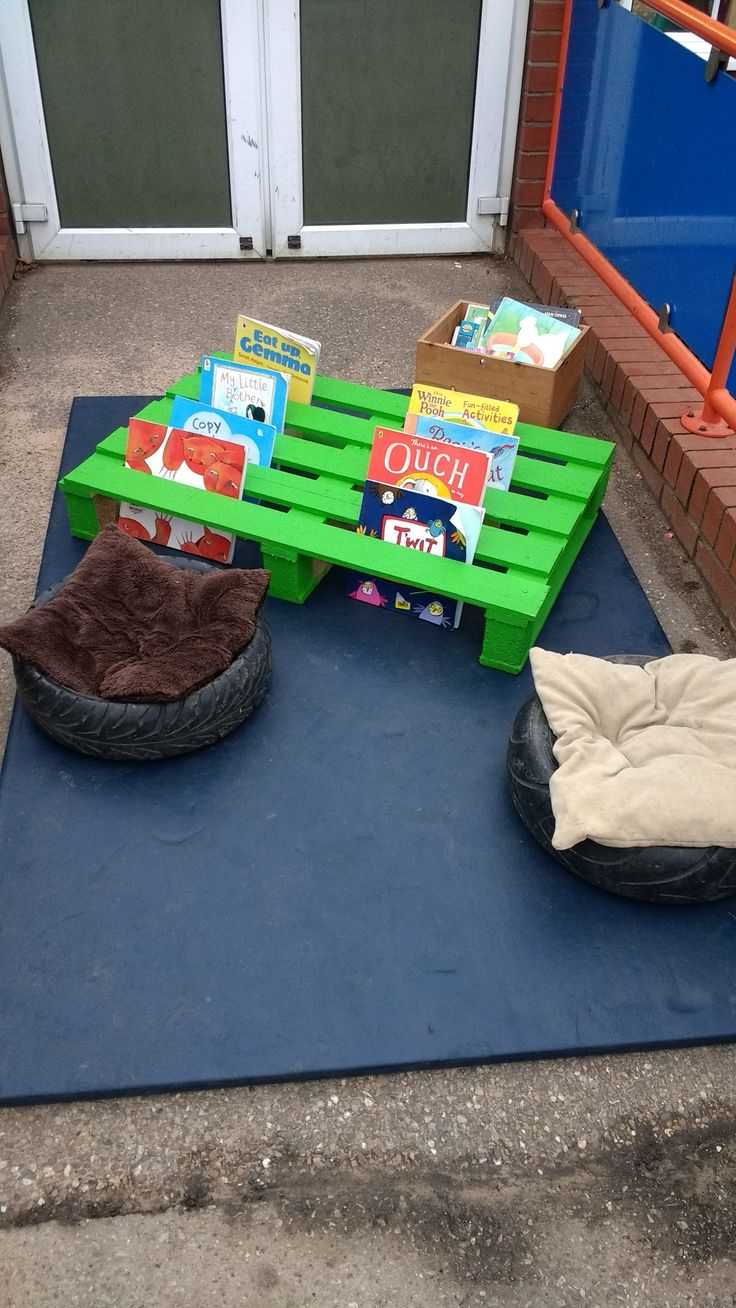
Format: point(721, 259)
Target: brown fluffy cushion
point(127, 625)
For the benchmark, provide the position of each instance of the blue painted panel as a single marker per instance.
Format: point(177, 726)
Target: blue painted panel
point(646, 153)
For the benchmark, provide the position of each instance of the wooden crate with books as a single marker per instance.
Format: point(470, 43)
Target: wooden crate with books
point(531, 355)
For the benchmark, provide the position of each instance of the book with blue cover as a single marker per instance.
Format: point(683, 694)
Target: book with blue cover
point(255, 393)
point(427, 524)
point(257, 437)
point(502, 448)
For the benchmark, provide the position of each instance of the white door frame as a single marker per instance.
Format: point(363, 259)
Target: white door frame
point(498, 92)
point(25, 148)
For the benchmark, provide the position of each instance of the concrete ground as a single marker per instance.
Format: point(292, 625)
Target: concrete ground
point(533, 1185)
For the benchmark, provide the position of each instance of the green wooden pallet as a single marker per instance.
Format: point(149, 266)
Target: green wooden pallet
point(309, 500)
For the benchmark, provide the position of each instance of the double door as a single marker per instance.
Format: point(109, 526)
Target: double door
point(249, 128)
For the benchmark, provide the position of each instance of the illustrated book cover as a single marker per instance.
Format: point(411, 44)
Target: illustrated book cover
point(472, 410)
point(217, 466)
point(431, 467)
point(561, 312)
point(502, 450)
point(257, 437)
point(521, 334)
point(239, 388)
point(271, 347)
point(468, 333)
point(426, 524)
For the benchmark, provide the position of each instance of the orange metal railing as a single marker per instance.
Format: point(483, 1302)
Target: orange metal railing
point(717, 417)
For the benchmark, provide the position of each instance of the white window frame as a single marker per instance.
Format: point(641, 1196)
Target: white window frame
point(29, 173)
point(498, 92)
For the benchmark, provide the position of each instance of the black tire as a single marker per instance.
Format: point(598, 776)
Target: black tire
point(660, 874)
point(140, 732)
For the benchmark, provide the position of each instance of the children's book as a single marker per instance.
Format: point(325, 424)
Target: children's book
point(267, 346)
point(502, 450)
point(427, 525)
point(239, 388)
point(257, 437)
point(193, 460)
point(521, 334)
point(418, 463)
point(472, 410)
point(468, 333)
point(562, 313)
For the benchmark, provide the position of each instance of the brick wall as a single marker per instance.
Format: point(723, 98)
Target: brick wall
point(535, 119)
point(692, 477)
point(8, 247)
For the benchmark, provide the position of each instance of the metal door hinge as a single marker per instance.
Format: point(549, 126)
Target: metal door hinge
point(495, 204)
point(28, 213)
point(294, 242)
point(246, 243)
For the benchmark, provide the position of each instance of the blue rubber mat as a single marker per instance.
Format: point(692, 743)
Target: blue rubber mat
point(340, 886)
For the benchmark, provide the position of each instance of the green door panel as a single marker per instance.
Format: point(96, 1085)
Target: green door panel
point(133, 95)
point(388, 89)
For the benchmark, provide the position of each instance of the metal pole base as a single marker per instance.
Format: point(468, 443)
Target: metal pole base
point(695, 422)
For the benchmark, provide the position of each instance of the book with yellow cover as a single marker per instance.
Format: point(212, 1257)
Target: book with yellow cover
point(471, 410)
point(265, 346)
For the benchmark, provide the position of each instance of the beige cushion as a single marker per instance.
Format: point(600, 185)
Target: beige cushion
point(647, 755)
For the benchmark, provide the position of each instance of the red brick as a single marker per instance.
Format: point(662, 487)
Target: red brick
point(638, 414)
point(725, 545)
point(541, 77)
point(683, 526)
point(723, 586)
point(531, 167)
point(534, 136)
point(681, 395)
point(620, 381)
point(628, 398)
point(598, 363)
point(608, 327)
point(654, 479)
point(536, 108)
point(525, 218)
point(600, 306)
point(711, 521)
point(543, 47)
point(693, 461)
point(707, 480)
point(646, 369)
point(546, 16)
point(648, 430)
point(682, 442)
point(643, 351)
point(529, 193)
point(660, 447)
point(609, 375)
point(4, 224)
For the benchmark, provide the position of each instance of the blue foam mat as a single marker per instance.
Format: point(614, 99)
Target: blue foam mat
point(340, 886)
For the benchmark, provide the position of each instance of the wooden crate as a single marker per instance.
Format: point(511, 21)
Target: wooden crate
point(545, 396)
point(309, 502)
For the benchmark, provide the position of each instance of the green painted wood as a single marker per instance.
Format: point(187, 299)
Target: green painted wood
point(134, 102)
point(524, 552)
point(387, 109)
point(308, 535)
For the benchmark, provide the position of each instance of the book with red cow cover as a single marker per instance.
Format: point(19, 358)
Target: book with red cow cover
point(193, 459)
point(426, 524)
point(429, 467)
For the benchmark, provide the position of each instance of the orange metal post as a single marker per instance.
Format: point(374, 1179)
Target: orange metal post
point(708, 421)
point(718, 415)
